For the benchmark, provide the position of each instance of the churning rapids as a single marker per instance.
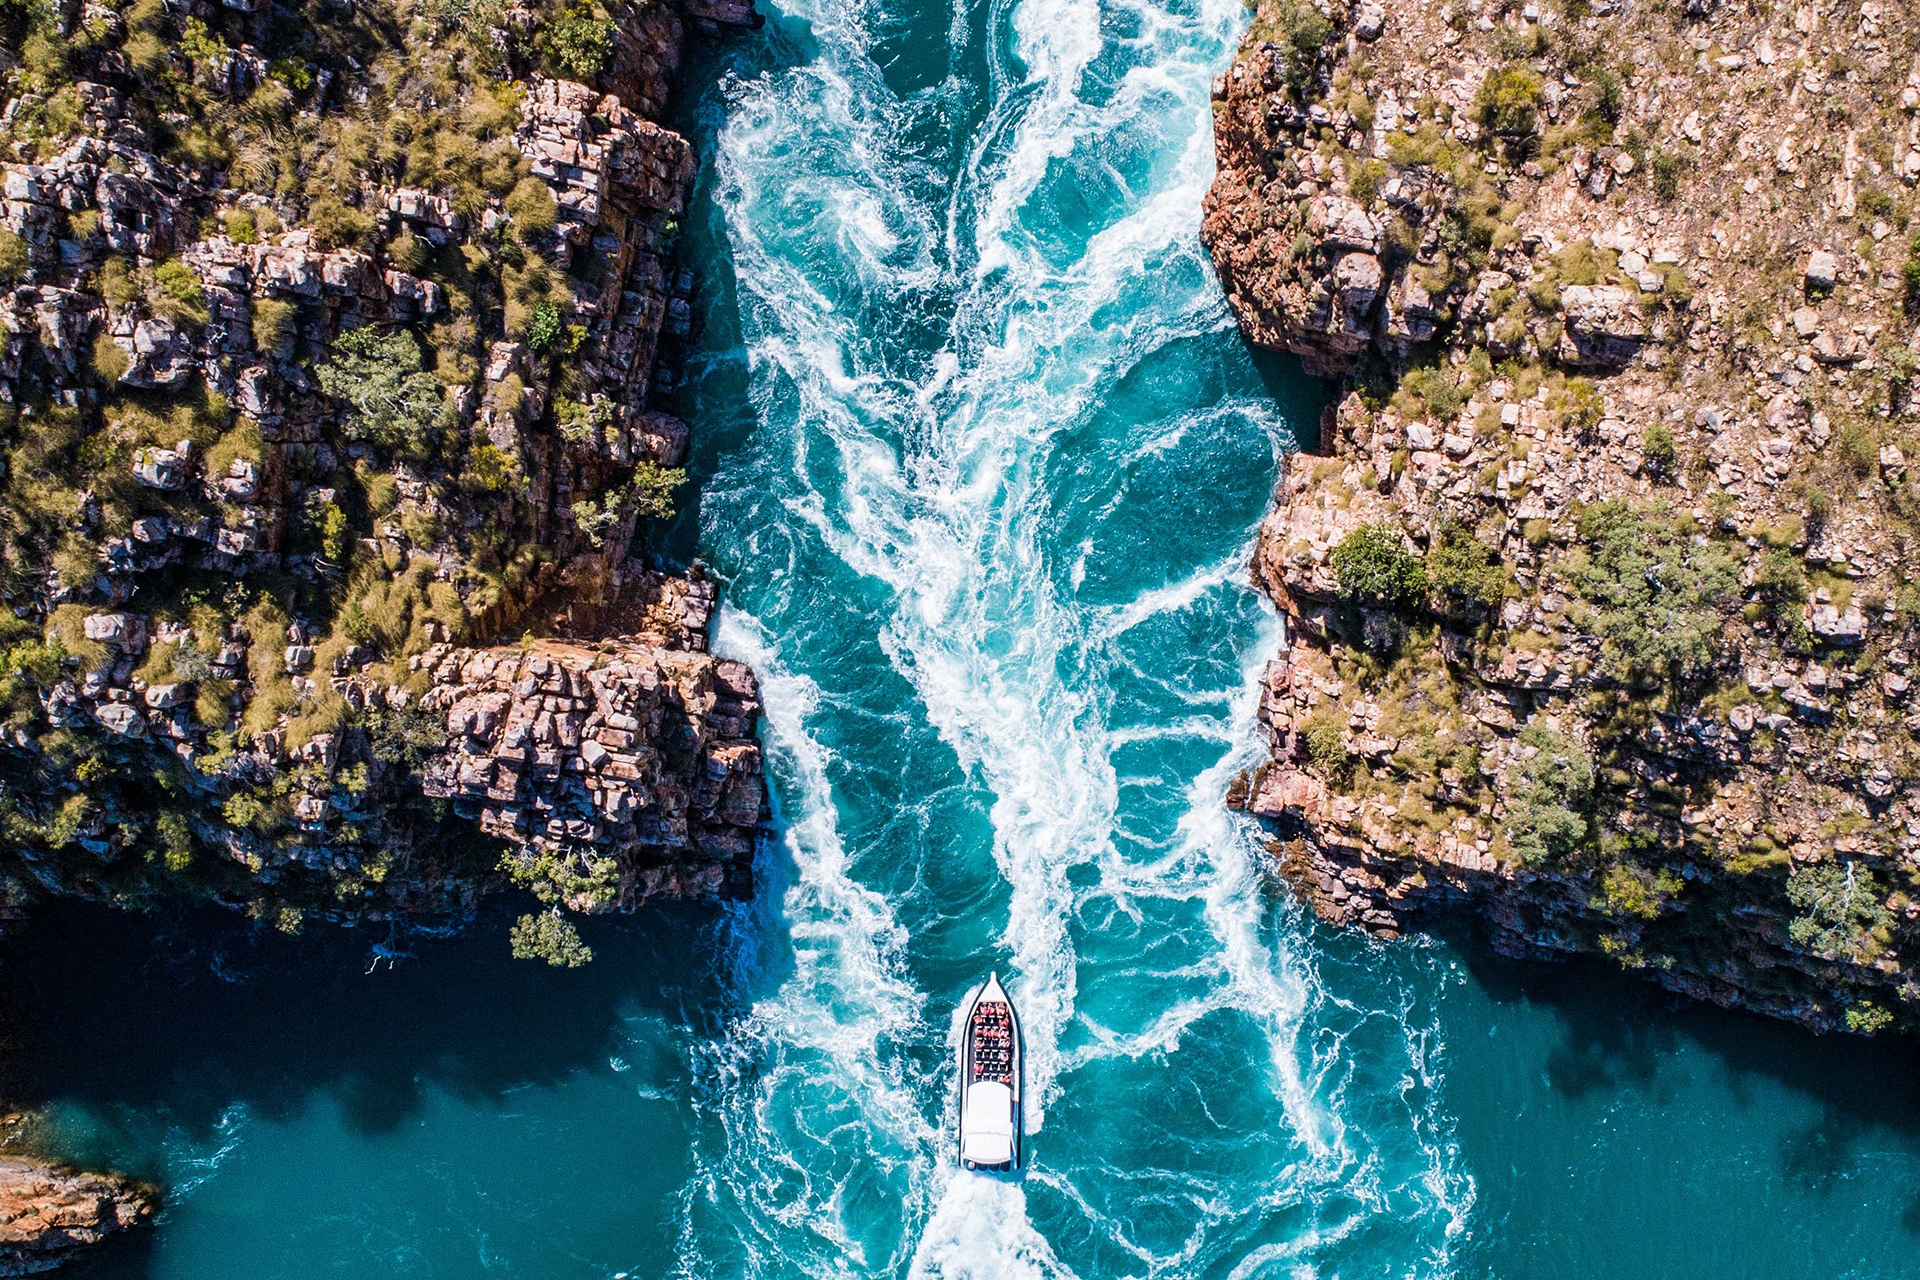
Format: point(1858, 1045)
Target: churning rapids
point(981, 458)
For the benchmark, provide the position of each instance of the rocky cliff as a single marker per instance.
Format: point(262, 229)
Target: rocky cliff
point(1598, 578)
point(49, 1214)
point(337, 342)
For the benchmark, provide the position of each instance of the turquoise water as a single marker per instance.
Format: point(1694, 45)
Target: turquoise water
point(981, 458)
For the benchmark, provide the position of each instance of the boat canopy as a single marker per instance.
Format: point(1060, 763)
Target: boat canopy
point(987, 1138)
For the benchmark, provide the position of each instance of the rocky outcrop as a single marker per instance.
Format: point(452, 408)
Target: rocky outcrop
point(49, 1214)
point(621, 752)
point(287, 458)
point(1599, 625)
point(335, 362)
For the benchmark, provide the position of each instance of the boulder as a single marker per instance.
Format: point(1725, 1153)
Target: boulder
point(121, 718)
point(159, 468)
point(50, 1214)
point(1823, 271)
point(1604, 326)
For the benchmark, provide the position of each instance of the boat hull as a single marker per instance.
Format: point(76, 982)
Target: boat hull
point(990, 1064)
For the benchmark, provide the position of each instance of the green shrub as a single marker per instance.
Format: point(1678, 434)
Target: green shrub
point(14, 262)
point(1551, 789)
point(178, 295)
point(577, 44)
point(1365, 179)
point(1667, 168)
point(1609, 96)
point(1374, 566)
point(110, 363)
point(1509, 101)
point(544, 328)
point(1627, 890)
point(1585, 406)
point(1659, 593)
point(241, 227)
point(651, 490)
point(581, 423)
point(200, 44)
point(532, 207)
point(407, 251)
point(1859, 450)
point(395, 405)
point(1866, 1018)
point(1578, 263)
point(1326, 740)
point(1781, 581)
point(335, 225)
point(1462, 570)
point(1819, 508)
point(1658, 450)
point(1300, 30)
point(1839, 907)
point(1436, 389)
point(489, 469)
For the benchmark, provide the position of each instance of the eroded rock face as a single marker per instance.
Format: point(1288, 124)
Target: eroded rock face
point(1644, 688)
point(622, 751)
point(351, 560)
point(48, 1214)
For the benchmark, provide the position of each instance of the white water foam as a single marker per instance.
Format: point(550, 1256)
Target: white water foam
point(826, 1020)
point(926, 472)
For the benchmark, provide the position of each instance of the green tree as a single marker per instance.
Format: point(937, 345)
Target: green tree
point(396, 405)
point(547, 935)
point(1840, 906)
point(1462, 570)
point(577, 44)
point(1659, 591)
point(1552, 787)
point(1375, 567)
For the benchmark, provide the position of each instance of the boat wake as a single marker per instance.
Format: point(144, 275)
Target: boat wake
point(1007, 451)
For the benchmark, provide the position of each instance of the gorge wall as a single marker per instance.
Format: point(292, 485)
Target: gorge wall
point(337, 343)
point(1599, 587)
point(333, 355)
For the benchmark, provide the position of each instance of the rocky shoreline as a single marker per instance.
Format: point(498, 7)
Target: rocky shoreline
point(49, 1214)
point(334, 394)
point(286, 445)
point(1600, 622)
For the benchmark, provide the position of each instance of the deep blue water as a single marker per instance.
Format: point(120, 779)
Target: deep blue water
point(981, 458)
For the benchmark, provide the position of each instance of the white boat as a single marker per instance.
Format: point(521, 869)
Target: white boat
point(990, 1065)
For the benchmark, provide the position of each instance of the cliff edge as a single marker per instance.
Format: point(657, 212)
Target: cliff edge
point(1598, 579)
point(333, 385)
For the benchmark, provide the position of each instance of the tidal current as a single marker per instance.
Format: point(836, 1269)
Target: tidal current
point(980, 459)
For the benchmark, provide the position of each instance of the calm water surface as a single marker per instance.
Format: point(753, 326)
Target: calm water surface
point(981, 458)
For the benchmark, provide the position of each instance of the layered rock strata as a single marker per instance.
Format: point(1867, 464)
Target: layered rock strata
point(324, 369)
point(49, 1214)
point(1601, 619)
